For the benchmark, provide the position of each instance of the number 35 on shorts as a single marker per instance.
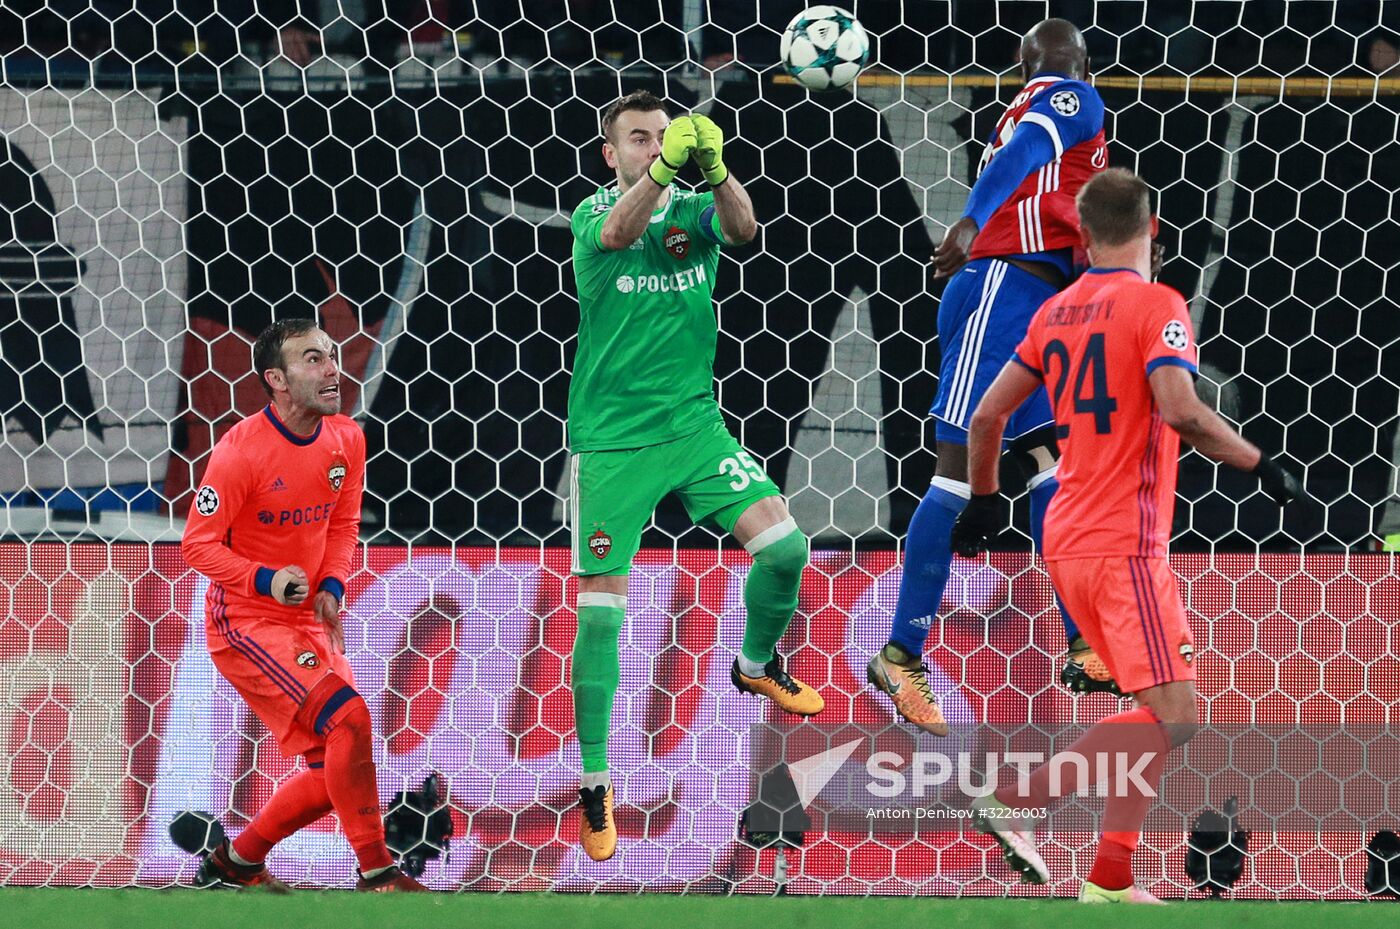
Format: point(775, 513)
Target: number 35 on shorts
point(742, 471)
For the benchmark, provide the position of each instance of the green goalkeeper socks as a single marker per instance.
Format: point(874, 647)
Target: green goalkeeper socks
point(595, 674)
point(770, 593)
point(770, 597)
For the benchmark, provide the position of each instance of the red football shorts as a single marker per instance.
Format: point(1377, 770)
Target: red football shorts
point(1129, 610)
point(274, 665)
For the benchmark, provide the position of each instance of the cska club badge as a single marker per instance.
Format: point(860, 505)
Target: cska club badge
point(336, 475)
point(677, 242)
point(600, 543)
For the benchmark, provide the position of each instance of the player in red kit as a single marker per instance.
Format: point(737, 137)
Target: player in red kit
point(1117, 354)
point(274, 526)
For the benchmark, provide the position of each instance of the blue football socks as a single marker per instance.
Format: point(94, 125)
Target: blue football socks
point(927, 558)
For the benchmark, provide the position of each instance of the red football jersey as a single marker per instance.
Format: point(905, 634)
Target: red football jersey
point(1095, 344)
point(271, 498)
point(1040, 215)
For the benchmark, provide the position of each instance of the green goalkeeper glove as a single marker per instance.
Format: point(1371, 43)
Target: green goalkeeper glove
point(677, 143)
point(709, 150)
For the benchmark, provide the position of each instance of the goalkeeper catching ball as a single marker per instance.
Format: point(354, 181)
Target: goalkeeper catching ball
point(644, 421)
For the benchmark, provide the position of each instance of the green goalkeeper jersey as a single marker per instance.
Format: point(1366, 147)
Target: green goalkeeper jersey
point(644, 373)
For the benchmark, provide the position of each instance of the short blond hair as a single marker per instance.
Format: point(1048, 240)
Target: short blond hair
point(1115, 207)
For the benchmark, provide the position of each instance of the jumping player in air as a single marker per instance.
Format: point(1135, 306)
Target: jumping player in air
point(644, 422)
point(1012, 250)
point(1118, 356)
point(273, 527)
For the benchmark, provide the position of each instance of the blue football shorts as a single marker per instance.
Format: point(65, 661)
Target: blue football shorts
point(985, 312)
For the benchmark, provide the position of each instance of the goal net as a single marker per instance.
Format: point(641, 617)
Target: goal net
point(172, 180)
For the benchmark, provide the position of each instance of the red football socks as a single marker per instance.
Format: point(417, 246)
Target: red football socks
point(347, 783)
point(352, 783)
point(1113, 866)
point(298, 802)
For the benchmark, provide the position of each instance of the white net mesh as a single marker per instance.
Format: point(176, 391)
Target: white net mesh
point(174, 179)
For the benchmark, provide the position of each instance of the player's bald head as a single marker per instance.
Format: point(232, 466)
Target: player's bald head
point(1055, 45)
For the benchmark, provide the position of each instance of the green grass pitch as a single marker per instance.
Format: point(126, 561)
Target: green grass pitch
point(30, 908)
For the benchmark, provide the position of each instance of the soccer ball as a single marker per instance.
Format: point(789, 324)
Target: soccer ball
point(824, 48)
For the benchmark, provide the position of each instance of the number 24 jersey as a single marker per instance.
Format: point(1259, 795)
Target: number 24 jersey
point(1095, 344)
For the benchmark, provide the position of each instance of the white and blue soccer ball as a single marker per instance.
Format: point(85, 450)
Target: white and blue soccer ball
point(824, 48)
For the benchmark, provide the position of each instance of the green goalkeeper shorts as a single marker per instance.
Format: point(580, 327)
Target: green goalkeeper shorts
point(612, 494)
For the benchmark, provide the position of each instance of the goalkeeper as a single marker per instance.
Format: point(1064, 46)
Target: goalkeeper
point(644, 422)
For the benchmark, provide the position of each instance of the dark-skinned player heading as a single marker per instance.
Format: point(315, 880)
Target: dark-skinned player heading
point(1013, 249)
point(276, 517)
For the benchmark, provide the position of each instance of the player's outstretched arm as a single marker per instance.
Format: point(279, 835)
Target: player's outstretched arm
point(982, 518)
point(1031, 148)
point(1202, 428)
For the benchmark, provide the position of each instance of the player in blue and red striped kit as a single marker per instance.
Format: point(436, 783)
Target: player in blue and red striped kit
point(1012, 250)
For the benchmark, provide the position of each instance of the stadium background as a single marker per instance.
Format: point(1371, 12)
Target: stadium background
point(169, 184)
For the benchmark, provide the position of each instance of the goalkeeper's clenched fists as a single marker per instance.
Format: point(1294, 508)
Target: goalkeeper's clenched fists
point(709, 149)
